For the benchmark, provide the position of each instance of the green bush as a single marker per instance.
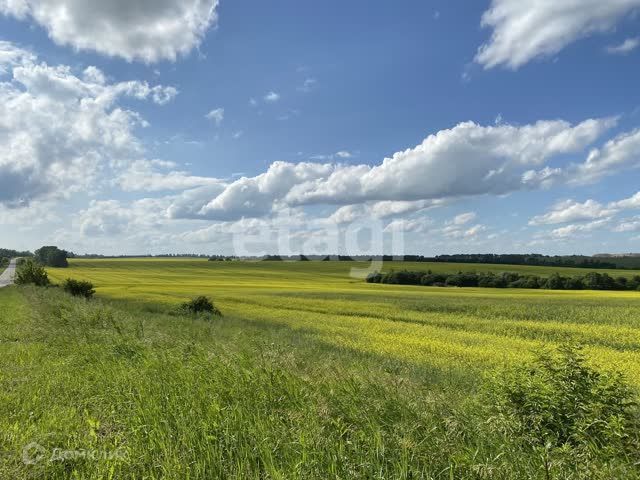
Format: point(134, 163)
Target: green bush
point(200, 305)
point(30, 272)
point(561, 409)
point(78, 288)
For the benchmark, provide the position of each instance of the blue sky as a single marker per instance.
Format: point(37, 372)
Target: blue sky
point(251, 127)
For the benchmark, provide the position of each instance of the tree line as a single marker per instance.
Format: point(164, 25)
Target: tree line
point(535, 259)
point(590, 281)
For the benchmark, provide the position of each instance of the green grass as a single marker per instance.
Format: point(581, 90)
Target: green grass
point(311, 374)
point(443, 328)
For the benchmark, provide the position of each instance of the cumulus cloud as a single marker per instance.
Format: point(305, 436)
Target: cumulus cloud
point(466, 160)
point(622, 152)
point(256, 196)
point(147, 30)
point(524, 30)
point(60, 131)
point(628, 203)
point(11, 55)
point(572, 211)
point(109, 218)
point(579, 229)
point(587, 217)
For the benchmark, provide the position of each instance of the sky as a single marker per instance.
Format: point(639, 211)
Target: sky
point(285, 127)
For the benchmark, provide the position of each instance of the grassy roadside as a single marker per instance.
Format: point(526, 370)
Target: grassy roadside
point(116, 390)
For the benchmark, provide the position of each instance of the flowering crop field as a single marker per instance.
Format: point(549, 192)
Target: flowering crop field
point(444, 328)
point(309, 374)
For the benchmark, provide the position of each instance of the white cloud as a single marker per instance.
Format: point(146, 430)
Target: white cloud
point(386, 209)
point(216, 115)
point(348, 214)
point(464, 218)
point(622, 152)
point(342, 154)
point(379, 210)
point(147, 30)
point(524, 30)
point(583, 218)
point(625, 47)
point(462, 232)
point(11, 56)
point(628, 225)
point(579, 229)
point(256, 196)
point(61, 133)
point(143, 175)
point(466, 160)
point(271, 97)
point(112, 218)
point(408, 225)
point(571, 211)
point(630, 203)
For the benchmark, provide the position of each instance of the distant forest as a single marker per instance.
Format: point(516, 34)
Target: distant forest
point(8, 253)
point(576, 261)
point(628, 261)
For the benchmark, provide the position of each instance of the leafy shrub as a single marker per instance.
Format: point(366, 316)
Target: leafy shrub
point(375, 277)
point(78, 288)
point(433, 279)
point(559, 407)
point(200, 305)
point(462, 280)
point(30, 272)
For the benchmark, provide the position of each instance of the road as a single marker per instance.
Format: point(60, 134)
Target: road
point(7, 277)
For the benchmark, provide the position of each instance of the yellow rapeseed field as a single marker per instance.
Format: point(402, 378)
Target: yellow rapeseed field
point(446, 328)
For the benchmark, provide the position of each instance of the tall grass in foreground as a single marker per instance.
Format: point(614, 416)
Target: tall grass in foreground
point(149, 395)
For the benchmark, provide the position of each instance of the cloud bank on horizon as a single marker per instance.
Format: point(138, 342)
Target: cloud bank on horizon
point(94, 151)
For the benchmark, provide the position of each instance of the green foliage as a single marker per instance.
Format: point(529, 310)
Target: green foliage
point(52, 257)
point(78, 288)
point(310, 374)
point(555, 281)
point(200, 305)
point(563, 410)
point(5, 252)
point(575, 261)
point(30, 272)
point(4, 262)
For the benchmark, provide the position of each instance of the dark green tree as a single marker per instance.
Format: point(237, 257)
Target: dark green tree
point(52, 257)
